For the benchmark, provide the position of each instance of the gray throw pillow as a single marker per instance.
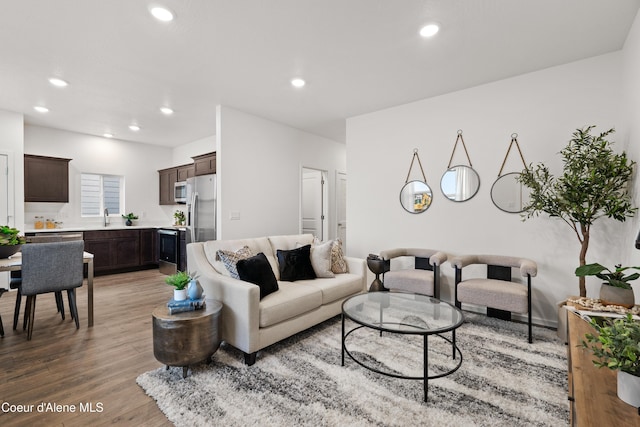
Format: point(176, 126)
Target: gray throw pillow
point(231, 258)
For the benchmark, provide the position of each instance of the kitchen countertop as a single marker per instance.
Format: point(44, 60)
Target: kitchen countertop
point(98, 228)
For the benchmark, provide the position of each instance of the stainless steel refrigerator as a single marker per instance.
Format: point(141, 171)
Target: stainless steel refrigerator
point(201, 208)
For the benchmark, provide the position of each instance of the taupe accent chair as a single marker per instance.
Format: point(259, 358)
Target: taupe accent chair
point(51, 267)
point(497, 292)
point(423, 278)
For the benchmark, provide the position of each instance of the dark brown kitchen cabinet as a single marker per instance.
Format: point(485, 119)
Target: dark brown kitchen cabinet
point(186, 171)
point(204, 164)
point(148, 246)
point(167, 178)
point(46, 179)
point(121, 250)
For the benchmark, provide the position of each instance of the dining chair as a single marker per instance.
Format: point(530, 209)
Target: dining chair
point(16, 276)
point(51, 267)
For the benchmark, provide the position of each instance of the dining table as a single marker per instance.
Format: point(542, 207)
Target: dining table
point(14, 263)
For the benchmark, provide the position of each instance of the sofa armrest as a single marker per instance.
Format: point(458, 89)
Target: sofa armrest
point(240, 299)
point(359, 267)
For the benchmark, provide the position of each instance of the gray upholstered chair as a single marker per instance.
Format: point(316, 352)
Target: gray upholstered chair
point(51, 267)
point(423, 278)
point(497, 292)
point(16, 276)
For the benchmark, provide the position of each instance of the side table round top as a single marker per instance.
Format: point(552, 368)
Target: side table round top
point(211, 307)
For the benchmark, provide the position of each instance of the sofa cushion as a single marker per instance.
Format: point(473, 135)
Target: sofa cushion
point(257, 245)
point(342, 286)
point(338, 263)
point(290, 301)
point(231, 258)
point(295, 264)
point(289, 242)
point(257, 270)
point(321, 258)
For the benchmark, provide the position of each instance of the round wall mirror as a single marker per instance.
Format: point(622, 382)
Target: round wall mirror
point(508, 194)
point(460, 183)
point(415, 196)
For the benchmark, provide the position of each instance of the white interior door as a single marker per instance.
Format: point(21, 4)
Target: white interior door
point(341, 203)
point(313, 206)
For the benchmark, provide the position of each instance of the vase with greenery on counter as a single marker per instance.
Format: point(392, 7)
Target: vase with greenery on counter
point(130, 217)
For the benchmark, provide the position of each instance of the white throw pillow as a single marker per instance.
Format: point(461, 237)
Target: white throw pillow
point(320, 258)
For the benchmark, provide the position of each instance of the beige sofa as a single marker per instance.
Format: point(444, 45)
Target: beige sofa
point(251, 324)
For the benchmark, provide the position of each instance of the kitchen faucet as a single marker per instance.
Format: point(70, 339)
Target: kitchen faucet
point(106, 217)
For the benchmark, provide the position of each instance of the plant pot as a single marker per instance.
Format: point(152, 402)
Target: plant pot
point(611, 295)
point(129, 222)
point(179, 294)
point(629, 388)
point(7, 250)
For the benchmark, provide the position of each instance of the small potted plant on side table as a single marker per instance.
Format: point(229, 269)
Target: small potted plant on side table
point(615, 289)
point(617, 347)
point(179, 281)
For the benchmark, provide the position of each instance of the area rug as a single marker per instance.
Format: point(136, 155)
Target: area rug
point(503, 381)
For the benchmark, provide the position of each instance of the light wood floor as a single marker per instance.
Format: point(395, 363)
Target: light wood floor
point(98, 365)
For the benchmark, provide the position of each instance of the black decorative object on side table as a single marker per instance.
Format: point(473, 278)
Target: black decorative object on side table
point(377, 267)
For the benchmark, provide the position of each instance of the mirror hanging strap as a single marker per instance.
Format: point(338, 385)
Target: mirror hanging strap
point(415, 156)
point(459, 138)
point(514, 139)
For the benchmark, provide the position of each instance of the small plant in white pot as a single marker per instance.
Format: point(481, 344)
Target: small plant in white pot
point(615, 289)
point(617, 347)
point(179, 281)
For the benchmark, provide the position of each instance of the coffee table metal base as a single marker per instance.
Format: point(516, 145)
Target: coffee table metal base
point(425, 377)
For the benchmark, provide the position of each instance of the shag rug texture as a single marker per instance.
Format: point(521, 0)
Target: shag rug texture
point(503, 381)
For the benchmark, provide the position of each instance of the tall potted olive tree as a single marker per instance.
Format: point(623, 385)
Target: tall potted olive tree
point(593, 184)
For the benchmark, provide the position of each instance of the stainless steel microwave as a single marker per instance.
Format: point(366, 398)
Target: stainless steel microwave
point(180, 192)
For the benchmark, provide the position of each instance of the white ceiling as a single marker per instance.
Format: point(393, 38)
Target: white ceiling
point(357, 56)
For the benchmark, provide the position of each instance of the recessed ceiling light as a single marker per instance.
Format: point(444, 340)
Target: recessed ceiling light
point(297, 82)
point(134, 128)
point(166, 110)
point(41, 109)
point(429, 30)
point(162, 13)
point(58, 82)
point(107, 135)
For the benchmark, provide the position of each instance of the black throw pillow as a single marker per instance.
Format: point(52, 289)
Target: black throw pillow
point(295, 264)
point(257, 270)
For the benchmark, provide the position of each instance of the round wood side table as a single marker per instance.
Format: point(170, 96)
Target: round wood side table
point(187, 338)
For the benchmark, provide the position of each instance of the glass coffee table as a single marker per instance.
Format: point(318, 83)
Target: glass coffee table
point(404, 313)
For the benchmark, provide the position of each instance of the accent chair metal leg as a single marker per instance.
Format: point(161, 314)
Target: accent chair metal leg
point(31, 303)
point(73, 308)
point(60, 303)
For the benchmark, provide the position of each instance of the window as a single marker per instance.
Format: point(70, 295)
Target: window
point(100, 192)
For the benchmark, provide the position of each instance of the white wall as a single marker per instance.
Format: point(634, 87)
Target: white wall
point(183, 154)
point(12, 142)
point(631, 84)
point(138, 163)
point(544, 108)
point(259, 169)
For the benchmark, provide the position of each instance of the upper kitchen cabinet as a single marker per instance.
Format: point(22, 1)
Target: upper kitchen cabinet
point(205, 164)
point(168, 178)
point(186, 171)
point(46, 179)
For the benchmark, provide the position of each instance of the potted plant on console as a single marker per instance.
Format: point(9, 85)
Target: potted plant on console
point(179, 281)
point(615, 289)
point(130, 217)
point(10, 241)
point(617, 347)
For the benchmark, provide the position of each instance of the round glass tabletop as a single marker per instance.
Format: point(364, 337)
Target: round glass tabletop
point(402, 313)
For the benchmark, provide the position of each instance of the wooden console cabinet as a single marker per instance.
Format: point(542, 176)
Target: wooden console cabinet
point(592, 391)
